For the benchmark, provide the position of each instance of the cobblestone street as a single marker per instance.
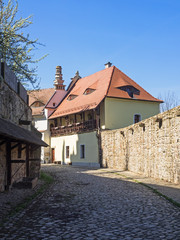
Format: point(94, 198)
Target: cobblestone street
point(94, 204)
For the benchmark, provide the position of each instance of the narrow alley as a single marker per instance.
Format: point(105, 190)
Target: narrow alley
point(89, 204)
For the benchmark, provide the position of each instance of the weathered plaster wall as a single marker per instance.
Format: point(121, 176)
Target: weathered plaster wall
point(147, 147)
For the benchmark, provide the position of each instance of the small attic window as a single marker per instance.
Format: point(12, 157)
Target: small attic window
point(37, 104)
point(130, 90)
point(89, 91)
point(71, 97)
point(54, 104)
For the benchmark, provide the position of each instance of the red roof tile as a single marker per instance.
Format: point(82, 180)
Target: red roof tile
point(41, 95)
point(119, 79)
point(84, 102)
point(37, 111)
point(56, 98)
point(105, 83)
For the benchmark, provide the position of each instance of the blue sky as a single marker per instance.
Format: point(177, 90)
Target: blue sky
point(140, 37)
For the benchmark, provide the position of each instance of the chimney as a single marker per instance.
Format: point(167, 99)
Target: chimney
point(73, 81)
point(108, 65)
point(76, 77)
point(58, 82)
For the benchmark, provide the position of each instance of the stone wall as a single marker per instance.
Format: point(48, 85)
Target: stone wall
point(150, 147)
point(13, 107)
point(11, 80)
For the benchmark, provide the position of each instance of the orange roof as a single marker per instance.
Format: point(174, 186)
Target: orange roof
point(119, 79)
point(41, 95)
point(106, 84)
point(37, 110)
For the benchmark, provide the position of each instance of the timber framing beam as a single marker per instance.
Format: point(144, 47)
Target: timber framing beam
point(27, 160)
point(35, 159)
point(23, 148)
point(18, 161)
point(16, 145)
point(8, 162)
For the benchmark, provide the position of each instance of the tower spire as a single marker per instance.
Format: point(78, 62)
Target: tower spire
point(58, 82)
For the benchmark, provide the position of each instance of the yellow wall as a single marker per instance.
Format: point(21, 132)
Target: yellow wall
point(74, 141)
point(78, 118)
point(63, 121)
point(119, 113)
point(102, 115)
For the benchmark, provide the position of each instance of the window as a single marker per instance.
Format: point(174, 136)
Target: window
point(71, 97)
point(54, 104)
point(89, 91)
point(130, 90)
point(82, 151)
point(37, 104)
point(67, 151)
point(137, 118)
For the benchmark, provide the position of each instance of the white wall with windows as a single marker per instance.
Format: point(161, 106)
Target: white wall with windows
point(78, 149)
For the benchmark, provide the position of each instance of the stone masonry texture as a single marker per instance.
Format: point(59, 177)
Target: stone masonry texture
point(150, 147)
point(14, 108)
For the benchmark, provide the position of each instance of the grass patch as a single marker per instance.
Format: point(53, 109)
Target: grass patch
point(46, 178)
point(47, 181)
point(177, 204)
point(160, 194)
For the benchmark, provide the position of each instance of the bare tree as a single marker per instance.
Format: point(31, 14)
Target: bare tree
point(16, 47)
point(170, 99)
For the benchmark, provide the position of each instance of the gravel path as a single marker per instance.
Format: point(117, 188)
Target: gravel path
point(94, 204)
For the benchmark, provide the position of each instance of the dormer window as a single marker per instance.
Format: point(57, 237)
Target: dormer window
point(130, 90)
point(37, 104)
point(89, 91)
point(71, 97)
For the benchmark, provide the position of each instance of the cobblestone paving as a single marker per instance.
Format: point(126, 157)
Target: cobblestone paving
point(94, 204)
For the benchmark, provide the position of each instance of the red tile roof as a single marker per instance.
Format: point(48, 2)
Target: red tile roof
point(105, 83)
point(56, 98)
point(119, 79)
point(41, 95)
point(37, 110)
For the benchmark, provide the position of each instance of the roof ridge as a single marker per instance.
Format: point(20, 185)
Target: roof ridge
point(50, 99)
point(105, 69)
point(113, 67)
